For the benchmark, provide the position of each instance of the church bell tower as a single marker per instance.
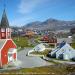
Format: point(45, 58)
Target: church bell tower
point(5, 31)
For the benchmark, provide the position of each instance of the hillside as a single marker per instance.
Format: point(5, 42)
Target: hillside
point(50, 24)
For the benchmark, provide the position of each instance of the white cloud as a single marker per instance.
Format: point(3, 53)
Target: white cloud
point(27, 6)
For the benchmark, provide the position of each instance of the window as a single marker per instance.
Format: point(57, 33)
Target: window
point(10, 58)
point(8, 35)
point(3, 34)
point(8, 30)
point(2, 30)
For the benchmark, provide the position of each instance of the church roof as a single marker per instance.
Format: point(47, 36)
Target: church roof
point(2, 42)
point(4, 20)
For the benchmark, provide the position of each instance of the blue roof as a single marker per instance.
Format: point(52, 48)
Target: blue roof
point(62, 44)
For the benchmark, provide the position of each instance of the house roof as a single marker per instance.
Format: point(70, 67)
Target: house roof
point(39, 47)
point(62, 48)
point(67, 47)
point(2, 42)
point(66, 50)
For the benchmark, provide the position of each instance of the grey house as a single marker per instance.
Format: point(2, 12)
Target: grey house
point(63, 51)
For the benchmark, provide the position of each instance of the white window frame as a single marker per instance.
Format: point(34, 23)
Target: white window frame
point(2, 30)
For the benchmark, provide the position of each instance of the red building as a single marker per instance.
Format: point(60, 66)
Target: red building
point(48, 39)
point(8, 51)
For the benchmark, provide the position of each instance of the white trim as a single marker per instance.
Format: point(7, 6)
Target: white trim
point(12, 41)
point(6, 41)
point(2, 29)
point(3, 45)
point(6, 33)
point(16, 54)
point(10, 32)
point(14, 50)
point(2, 48)
point(0, 52)
point(11, 57)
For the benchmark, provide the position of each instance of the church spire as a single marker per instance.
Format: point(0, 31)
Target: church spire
point(4, 20)
point(5, 30)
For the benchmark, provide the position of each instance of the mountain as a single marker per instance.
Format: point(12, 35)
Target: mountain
point(50, 24)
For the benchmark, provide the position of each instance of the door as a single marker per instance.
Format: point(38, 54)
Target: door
point(10, 58)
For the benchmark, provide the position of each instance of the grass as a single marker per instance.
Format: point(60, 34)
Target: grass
point(37, 38)
point(46, 70)
point(73, 45)
point(52, 61)
point(41, 53)
point(22, 42)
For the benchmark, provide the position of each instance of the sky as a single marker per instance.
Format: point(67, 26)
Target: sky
point(21, 12)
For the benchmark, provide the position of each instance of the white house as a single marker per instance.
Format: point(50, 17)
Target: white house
point(39, 47)
point(63, 51)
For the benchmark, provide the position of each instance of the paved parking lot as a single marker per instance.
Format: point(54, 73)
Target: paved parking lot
point(29, 62)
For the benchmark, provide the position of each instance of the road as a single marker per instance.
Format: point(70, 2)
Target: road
point(30, 62)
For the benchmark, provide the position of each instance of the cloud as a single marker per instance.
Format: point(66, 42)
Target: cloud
point(27, 6)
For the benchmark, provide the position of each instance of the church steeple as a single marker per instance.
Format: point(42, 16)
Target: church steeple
point(4, 20)
point(5, 31)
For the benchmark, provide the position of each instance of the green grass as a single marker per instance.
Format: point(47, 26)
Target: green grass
point(22, 42)
point(41, 53)
point(37, 38)
point(73, 45)
point(51, 61)
point(58, 69)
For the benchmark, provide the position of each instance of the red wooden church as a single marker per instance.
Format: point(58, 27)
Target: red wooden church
point(8, 52)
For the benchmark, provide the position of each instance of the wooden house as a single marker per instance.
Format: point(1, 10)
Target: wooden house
point(8, 51)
